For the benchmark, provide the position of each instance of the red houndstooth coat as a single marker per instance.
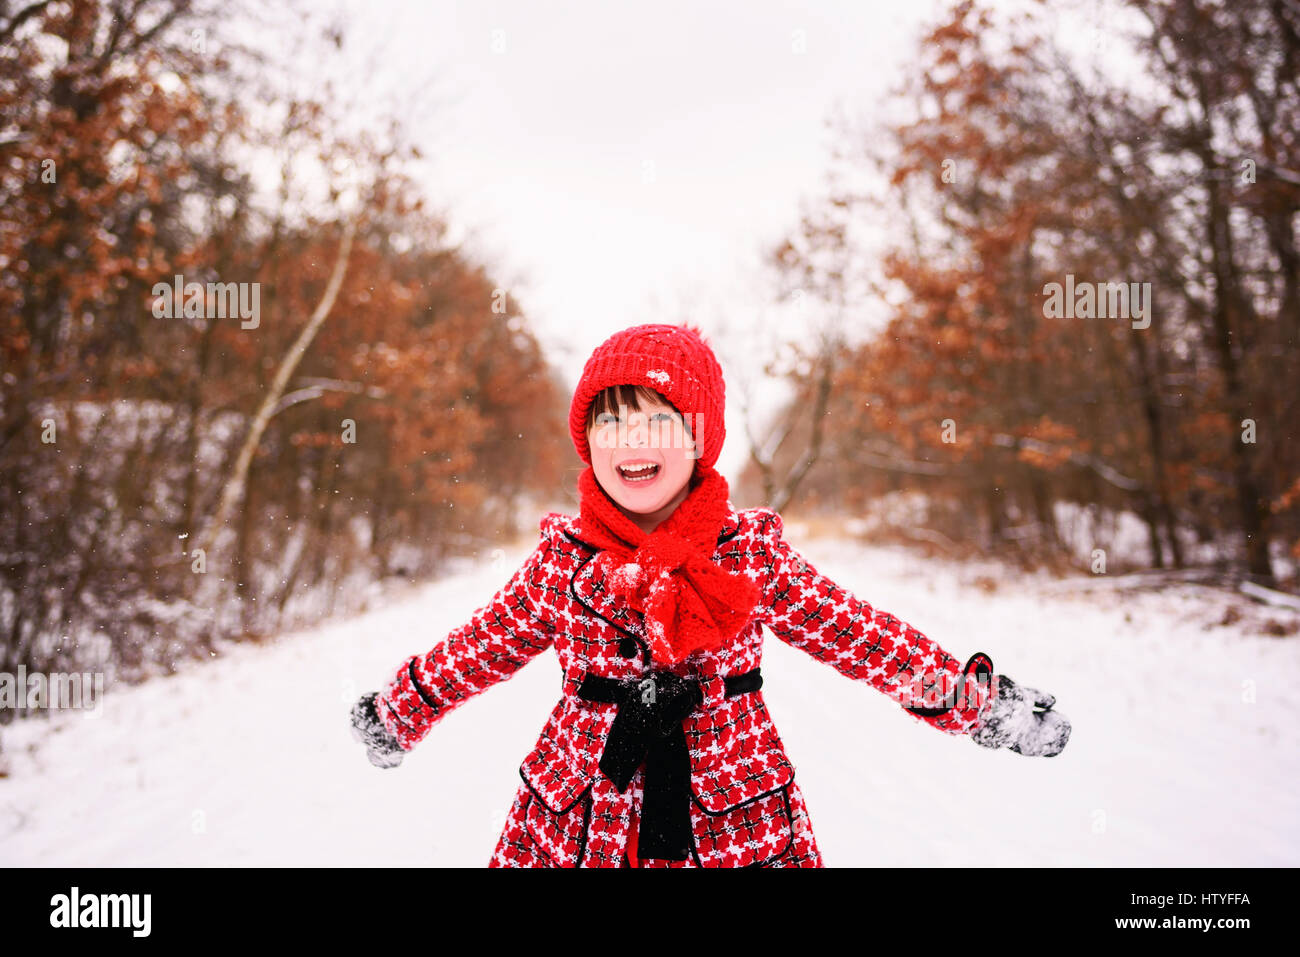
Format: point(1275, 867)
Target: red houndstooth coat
point(745, 807)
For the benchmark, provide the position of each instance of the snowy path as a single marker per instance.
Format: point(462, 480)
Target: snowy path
point(248, 761)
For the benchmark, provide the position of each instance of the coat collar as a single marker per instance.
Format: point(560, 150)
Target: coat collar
point(588, 582)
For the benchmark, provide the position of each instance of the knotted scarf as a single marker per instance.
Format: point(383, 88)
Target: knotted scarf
point(690, 602)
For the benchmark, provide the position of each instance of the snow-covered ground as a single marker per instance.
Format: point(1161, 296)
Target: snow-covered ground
point(1185, 750)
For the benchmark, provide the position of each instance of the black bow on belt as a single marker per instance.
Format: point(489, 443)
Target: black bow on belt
point(648, 727)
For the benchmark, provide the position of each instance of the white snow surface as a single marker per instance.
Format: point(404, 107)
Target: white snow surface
point(1185, 749)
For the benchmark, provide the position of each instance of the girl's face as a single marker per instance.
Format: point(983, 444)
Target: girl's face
point(643, 458)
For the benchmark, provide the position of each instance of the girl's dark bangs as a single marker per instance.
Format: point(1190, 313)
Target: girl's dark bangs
point(609, 400)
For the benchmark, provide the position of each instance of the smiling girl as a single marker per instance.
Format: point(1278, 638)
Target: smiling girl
point(661, 751)
point(641, 446)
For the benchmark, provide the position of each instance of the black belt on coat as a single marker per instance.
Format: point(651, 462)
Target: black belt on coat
point(648, 727)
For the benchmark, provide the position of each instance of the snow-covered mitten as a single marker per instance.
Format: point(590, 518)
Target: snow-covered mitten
point(367, 727)
point(1011, 719)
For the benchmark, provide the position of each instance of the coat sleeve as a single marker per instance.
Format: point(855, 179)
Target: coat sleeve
point(499, 639)
point(810, 612)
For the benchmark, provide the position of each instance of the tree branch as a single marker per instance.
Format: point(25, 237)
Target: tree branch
point(234, 487)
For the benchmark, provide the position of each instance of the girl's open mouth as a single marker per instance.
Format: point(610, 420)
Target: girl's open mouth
point(638, 474)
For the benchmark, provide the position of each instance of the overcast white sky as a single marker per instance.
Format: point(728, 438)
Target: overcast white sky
point(621, 163)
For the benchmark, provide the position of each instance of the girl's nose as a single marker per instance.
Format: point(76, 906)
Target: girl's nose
point(637, 433)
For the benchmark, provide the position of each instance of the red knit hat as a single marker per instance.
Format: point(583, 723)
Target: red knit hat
point(674, 361)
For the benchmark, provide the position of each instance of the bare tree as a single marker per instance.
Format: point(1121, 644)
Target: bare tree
point(234, 485)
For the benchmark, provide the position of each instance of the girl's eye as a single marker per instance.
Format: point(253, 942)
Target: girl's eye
point(605, 418)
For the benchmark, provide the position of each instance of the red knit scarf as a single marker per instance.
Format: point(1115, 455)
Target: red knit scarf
point(690, 602)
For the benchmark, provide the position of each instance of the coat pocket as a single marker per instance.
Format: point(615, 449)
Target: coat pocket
point(559, 809)
point(741, 815)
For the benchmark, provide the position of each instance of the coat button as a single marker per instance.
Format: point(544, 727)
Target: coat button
point(627, 647)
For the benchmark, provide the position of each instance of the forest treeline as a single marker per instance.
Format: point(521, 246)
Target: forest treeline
point(1093, 288)
point(415, 420)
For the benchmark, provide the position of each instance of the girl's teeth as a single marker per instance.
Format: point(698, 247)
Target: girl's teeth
point(638, 474)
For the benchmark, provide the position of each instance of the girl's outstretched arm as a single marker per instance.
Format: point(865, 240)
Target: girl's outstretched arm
point(809, 611)
point(499, 639)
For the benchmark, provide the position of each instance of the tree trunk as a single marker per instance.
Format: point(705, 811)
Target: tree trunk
point(1227, 294)
point(234, 486)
